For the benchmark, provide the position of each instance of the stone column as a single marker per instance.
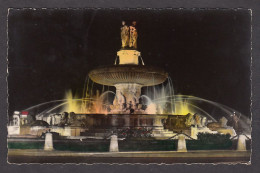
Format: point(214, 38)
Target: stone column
point(144, 121)
point(127, 120)
point(181, 144)
point(157, 121)
point(48, 145)
point(113, 144)
point(241, 143)
point(138, 121)
point(114, 120)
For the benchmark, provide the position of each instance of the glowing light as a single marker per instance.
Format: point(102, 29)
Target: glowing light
point(182, 108)
point(72, 105)
point(95, 104)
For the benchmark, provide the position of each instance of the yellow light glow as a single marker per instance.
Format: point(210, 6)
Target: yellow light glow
point(182, 108)
point(72, 105)
point(85, 105)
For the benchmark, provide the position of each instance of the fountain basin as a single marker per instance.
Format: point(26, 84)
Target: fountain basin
point(138, 74)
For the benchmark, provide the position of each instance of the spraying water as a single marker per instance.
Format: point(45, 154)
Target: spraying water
point(156, 100)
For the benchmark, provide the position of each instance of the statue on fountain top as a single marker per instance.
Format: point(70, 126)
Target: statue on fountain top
point(129, 35)
point(124, 35)
point(133, 36)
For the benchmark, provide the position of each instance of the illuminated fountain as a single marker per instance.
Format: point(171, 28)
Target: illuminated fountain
point(159, 108)
point(128, 77)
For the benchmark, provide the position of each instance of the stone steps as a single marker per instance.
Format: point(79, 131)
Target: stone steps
point(160, 132)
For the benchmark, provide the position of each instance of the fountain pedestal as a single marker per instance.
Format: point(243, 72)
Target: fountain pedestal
point(128, 57)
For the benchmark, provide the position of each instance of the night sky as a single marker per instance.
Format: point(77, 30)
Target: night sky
point(205, 52)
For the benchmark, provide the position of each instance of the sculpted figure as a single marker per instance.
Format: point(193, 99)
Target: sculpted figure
point(203, 121)
point(119, 100)
point(223, 121)
point(197, 119)
point(124, 35)
point(133, 35)
point(189, 120)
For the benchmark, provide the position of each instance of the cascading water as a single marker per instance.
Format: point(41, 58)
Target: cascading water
point(159, 99)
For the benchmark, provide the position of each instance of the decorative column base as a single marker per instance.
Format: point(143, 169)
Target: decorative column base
point(181, 144)
point(241, 143)
point(48, 145)
point(113, 144)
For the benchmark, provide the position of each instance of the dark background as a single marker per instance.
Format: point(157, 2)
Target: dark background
point(205, 52)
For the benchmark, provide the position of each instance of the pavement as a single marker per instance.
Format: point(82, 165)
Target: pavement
point(203, 156)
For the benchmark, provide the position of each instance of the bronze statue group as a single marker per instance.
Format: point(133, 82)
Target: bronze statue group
point(129, 35)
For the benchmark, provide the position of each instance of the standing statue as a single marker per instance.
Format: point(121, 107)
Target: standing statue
point(133, 36)
point(124, 35)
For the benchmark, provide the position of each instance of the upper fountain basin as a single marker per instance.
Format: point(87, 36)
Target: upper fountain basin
point(138, 74)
